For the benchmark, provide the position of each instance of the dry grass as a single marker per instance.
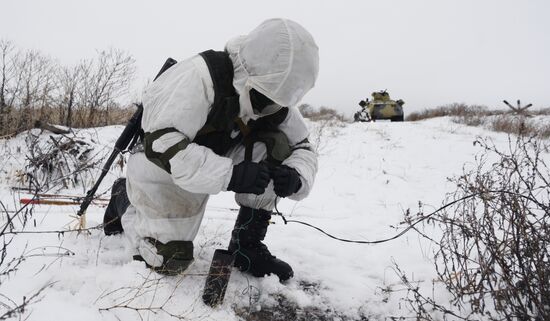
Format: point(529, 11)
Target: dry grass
point(456, 109)
point(519, 126)
point(16, 120)
point(496, 120)
point(323, 113)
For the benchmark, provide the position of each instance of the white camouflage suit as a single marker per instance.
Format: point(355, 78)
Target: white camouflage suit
point(280, 60)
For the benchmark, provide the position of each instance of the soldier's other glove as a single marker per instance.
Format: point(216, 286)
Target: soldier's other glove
point(286, 180)
point(249, 177)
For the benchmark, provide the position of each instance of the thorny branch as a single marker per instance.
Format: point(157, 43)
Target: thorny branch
point(148, 298)
point(494, 253)
point(13, 309)
point(63, 153)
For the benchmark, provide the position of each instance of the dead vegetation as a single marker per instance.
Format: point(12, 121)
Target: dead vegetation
point(494, 253)
point(456, 110)
point(511, 122)
point(59, 162)
point(18, 221)
point(321, 114)
point(35, 87)
point(287, 310)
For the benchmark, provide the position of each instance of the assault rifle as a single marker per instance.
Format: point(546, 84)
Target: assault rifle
point(129, 137)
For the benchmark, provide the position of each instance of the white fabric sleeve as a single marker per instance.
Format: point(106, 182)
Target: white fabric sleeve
point(196, 169)
point(305, 163)
point(180, 99)
point(303, 158)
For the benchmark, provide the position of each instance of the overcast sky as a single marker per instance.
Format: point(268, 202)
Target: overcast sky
point(428, 53)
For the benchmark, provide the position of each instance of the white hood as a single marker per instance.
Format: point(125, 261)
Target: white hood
point(279, 59)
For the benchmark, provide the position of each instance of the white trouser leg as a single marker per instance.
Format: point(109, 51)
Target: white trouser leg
point(136, 244)
point(160, 209)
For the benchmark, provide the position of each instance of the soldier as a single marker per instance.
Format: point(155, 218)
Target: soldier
point(220, 121)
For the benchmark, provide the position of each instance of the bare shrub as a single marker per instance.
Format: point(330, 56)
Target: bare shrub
point(471, 120)
point(516, 125)
point(544, 131)
point(497, 120)
point(494, 254)
point(28, 86)
point(455, 109)
point(540, 112)
point(35, 87)
point(7, 63)
point(70, 80)
point(519, 125)
point(146, 299)
point(467, 114)
point(52, 162)
point(105, 79)
point(13, 258)
point(80, 119)
point(323, 113)
point(59, 162)
point(327, 123)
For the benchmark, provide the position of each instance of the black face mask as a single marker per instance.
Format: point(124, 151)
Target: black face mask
point(261, 105)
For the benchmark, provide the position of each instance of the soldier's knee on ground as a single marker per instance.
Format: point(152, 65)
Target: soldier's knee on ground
point(169, 258)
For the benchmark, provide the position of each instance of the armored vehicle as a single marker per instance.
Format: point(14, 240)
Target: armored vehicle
point(380, 107)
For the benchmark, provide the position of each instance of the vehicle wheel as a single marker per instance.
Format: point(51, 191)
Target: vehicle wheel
point(397, 118)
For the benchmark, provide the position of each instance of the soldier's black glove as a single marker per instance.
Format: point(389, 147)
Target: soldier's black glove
point(286, 180)
point(249, 177)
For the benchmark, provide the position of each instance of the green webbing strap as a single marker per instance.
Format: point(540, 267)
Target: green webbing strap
point(162, 160)
point(276, 143)
point(307, 147)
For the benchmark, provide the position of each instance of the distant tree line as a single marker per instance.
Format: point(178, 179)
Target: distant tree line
point(35, 87)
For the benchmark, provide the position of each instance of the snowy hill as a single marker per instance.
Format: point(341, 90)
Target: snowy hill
point(369, 175)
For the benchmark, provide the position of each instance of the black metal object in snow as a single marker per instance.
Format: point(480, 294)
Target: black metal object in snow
point(520, 110)
point(218, 278)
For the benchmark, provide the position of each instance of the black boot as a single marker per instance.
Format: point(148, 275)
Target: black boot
point(251, 255)
point(117, 206)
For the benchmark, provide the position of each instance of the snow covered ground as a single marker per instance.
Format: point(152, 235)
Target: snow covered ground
point(369, 174)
